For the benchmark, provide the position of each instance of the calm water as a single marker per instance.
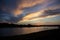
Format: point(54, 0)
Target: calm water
point(25, 30)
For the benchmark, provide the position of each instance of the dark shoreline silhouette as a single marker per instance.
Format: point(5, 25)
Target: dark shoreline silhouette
point(4, 25)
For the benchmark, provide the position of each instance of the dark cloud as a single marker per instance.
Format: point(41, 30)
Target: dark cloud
point(6, 6)
point(6, 17)
point(50, 12)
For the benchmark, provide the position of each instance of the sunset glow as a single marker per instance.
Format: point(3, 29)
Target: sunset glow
point(30, 11)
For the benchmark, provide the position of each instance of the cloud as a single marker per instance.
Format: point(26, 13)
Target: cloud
point(42, 14)
point(50, 13)
point(29, 11)
point(6, 17)
point(30, 3)
point(32, 15)
point(51, 20)
point(15, 10)
point(29, 6)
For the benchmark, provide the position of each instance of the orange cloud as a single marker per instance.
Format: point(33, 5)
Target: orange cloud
point(27, 3)
point(40, 21)
point(30, 3)
point(32, 15)
point(17, 12)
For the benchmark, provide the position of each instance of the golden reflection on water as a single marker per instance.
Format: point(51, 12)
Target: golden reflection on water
point(27, 30)
point(24, 30)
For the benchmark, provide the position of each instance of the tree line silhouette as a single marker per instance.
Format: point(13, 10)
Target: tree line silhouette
point(2, 25)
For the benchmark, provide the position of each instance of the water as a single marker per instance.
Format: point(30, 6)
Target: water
point(21, 31)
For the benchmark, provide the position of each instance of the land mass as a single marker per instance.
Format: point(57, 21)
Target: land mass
point(4, 25)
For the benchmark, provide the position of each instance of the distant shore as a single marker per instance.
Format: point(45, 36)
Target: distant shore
point(4, 25)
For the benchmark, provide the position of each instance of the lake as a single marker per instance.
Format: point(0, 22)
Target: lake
point(22, 31)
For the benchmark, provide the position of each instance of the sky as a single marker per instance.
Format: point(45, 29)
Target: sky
point(36, 12)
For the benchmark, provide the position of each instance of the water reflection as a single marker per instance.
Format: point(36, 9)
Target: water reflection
point(25, 30)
